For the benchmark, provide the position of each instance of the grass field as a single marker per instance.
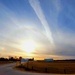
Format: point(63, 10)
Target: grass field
point(51, 67)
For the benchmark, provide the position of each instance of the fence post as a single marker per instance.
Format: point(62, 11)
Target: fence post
point(46, 70)
point(64, 71)
point(32, 67)
point(27, 67)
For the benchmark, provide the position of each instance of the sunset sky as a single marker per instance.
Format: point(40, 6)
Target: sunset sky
point(37, 28)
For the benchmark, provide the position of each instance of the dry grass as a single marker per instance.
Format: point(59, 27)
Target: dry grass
point(51, 67)
point(4, 62)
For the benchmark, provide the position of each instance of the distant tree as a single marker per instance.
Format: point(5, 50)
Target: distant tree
point(20, 59)
point(3, 59)
point(12, 59)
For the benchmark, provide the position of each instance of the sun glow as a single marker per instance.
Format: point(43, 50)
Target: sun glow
point(29, 46)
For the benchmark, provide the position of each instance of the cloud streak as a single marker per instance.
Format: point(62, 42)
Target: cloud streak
point(35, 4)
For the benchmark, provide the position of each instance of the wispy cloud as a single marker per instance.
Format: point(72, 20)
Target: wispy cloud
point(35, 4)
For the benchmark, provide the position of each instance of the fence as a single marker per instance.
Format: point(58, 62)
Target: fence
point(50, 70)
point(49, 67)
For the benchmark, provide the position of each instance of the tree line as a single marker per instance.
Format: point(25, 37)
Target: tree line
point(10, 58)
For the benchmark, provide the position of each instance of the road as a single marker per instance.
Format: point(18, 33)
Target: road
point(8, 70)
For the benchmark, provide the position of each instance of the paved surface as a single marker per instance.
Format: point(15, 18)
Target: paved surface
point(8, 70)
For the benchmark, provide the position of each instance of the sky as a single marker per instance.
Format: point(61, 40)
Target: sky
point(49, 24)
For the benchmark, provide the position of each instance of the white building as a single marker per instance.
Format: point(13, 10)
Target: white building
point(48, 60)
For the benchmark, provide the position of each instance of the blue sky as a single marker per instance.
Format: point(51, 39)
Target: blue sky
point(50, 23)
